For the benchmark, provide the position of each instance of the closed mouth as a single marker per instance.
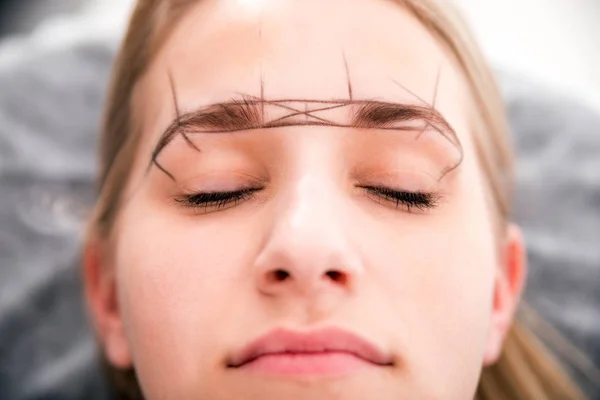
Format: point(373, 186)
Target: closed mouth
point(324, 351)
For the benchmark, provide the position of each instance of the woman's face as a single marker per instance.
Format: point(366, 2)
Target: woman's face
point(315, 181)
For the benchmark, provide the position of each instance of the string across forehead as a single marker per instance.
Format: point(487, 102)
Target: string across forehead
point(248, 112)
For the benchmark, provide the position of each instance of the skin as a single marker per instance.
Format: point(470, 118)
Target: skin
point(178, 289)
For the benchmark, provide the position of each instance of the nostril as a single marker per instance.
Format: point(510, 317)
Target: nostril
point(337, 276)
point(280, 275)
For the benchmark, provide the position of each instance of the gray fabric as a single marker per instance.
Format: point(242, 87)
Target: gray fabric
point(558, 205)
point(49, 112)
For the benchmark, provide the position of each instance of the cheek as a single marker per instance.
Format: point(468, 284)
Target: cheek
point(176, 281)
point(440, 286)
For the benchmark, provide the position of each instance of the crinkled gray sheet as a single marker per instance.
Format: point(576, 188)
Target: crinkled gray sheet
point(49, 112)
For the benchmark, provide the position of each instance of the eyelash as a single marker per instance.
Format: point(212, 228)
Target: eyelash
point(220, 200)
point(216, 200)
point(419, 200)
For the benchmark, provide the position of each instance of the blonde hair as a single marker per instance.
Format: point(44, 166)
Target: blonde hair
point(525, 370)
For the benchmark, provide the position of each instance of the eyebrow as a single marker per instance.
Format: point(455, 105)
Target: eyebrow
point(247, 113)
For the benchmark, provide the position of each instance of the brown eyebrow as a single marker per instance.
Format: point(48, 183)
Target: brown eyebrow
point(247, 113)
point(382, 115)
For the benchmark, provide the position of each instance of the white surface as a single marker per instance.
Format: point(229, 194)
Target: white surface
point(555, 42)
point(552, 41)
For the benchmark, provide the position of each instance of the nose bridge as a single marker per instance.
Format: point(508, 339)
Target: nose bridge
point(311, 211)
point(308, 224)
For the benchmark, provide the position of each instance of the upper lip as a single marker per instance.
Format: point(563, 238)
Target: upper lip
point(282, 341)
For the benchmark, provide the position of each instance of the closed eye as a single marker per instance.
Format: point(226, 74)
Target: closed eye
point(409, 200)
point(214, 201)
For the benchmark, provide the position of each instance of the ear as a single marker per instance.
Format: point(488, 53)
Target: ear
point(101, 295)
point(508, 288)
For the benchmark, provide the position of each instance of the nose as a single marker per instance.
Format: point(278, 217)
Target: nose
point(307, 250)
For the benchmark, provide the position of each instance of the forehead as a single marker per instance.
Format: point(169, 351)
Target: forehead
point(310, 49)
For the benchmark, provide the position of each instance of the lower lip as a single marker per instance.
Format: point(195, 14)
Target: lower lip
point(323, 363)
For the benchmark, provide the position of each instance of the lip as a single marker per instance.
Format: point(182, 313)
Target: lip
point(323, 351)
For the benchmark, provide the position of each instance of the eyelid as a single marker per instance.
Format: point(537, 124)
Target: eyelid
point(220, 182)
point(400, 179)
